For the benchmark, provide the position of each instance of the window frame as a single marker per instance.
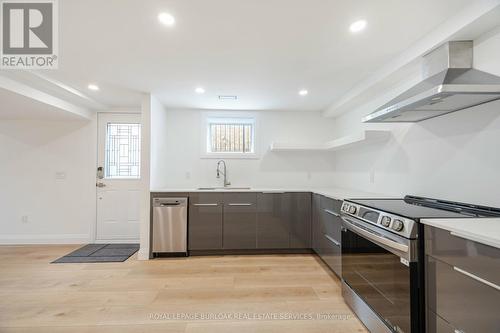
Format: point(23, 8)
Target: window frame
point(228, 117)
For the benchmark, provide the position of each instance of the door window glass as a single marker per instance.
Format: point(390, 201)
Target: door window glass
point(123, 151)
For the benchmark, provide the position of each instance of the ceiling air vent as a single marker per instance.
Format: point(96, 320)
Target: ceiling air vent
point(228, 97)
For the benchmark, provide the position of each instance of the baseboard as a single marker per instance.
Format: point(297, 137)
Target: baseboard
point(143, 254)
point(44, 239)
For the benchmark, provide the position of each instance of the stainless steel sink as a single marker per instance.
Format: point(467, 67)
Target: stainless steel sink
point(222, 188)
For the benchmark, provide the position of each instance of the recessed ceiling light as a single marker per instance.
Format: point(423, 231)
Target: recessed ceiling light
point(303, 92)
point(166, 19)
point(358, 26)
point(93, 87)
point(199, 90)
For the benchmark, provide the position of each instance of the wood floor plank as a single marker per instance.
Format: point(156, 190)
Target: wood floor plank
point(143, 328)
point(243, 293)
point(275, 327)
point(212, 295)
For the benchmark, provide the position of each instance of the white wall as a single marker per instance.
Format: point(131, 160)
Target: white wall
point(456, 156)
point(159, 138)
point(57, 210)
point(177, 161)
point(150, 109)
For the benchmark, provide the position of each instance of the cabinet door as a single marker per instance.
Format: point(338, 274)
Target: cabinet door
point(205, 221)
point(240, 221)
point(330, 217)
point(436, 324)
point(329, 237)
point(466, 301)
point(300, 220)
point(273, 220)
point(316, 225)
point(331, 254)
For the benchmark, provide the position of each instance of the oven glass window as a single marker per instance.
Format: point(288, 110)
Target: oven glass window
point(379, 278)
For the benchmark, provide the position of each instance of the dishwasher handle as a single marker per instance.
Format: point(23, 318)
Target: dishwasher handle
point(169, 202)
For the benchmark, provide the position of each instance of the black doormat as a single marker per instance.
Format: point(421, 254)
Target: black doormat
point(99, 253)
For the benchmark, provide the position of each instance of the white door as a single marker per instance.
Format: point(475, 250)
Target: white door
point(118, 177)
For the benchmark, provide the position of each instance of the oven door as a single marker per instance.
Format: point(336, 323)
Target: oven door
point(376, 265)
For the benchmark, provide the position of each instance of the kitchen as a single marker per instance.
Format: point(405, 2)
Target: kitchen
point(328, 173)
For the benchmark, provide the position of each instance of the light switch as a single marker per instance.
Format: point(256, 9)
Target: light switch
point(60, 175)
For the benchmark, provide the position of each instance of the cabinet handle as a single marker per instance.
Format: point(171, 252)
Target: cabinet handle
point(240, 204)
point(477, 278)
point(206, 204)
point(273, 192)
point(331, 212)
point(332, 240)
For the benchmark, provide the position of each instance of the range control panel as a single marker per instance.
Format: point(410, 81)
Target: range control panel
point(394, 223)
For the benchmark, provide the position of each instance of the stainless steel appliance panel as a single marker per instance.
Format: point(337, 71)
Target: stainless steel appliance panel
point(169, 225)
point(363, 311)
point(382, 272)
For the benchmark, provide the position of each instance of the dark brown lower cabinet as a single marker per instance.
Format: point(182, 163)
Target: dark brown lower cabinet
point(465, 303)
point(248, 221)
point(205, 221)
point(331, 254)
point(300, 220)
point(327, 231)
point(316, 225)
point(274, 211)
point(437, 324)
point(462, 284)
point(284, 220)
point(240, 221)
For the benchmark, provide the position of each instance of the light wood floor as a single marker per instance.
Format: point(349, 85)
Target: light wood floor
point(36, 296)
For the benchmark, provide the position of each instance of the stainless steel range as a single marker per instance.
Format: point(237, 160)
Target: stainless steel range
point(383, 278)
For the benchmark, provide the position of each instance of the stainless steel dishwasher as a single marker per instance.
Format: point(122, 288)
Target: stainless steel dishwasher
point(169, 226)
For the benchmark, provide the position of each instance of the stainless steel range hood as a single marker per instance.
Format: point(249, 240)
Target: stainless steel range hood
point(450, 84)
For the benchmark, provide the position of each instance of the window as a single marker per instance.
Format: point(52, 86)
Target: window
point(230, 137)
point(123, 151)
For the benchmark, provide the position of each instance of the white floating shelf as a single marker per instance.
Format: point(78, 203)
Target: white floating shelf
point(349, 141)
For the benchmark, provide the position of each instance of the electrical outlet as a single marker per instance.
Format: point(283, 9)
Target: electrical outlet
point(309, 176)
point(25, 219)
point(188, 175)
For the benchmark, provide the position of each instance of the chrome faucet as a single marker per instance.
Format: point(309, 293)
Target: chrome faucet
point(224, 173)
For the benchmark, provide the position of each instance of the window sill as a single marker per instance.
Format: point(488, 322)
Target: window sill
point(228, 156)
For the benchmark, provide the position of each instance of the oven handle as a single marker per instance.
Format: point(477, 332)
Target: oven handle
point(374, 237)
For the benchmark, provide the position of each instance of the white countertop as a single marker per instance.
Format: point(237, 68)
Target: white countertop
point(481, 230)
point(331, 192)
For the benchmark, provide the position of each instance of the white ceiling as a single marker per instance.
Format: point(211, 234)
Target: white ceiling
point(261, 51)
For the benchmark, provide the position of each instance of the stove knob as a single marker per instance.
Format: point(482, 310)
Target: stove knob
point(386, 221)
point(344, 207)
point(352, 209)
point(398, 225)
